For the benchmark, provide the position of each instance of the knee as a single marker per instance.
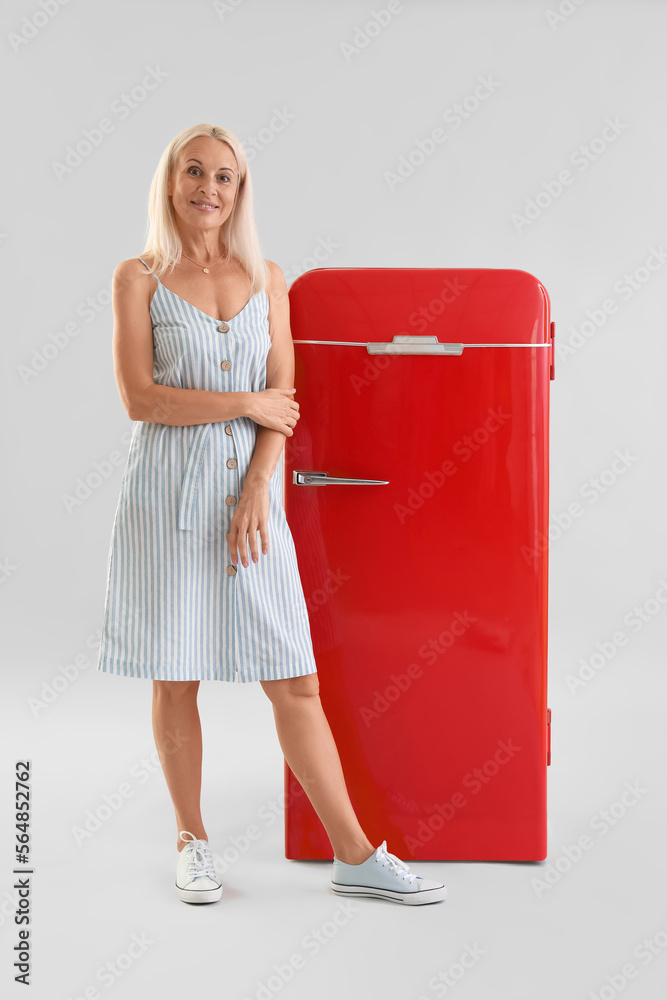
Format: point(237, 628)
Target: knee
point(175, 689)
point(306, 686)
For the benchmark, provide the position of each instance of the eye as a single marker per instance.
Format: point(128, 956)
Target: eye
point(225, 177)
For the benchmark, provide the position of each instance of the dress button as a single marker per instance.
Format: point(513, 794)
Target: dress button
point(225, 365)
point(231, 570)
point(230, 501)
point(224, 328)
point(231, 463)
point(228, 428)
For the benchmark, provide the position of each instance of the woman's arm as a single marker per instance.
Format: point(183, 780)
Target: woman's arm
point(252, 511)
point(279, 375)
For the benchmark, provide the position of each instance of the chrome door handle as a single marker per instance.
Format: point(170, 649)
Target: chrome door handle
point(409, 344)
point(301, 477)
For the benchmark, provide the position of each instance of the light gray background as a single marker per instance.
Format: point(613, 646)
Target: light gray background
point(321, 178)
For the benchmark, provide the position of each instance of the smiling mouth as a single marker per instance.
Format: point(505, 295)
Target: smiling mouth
point(203, 204)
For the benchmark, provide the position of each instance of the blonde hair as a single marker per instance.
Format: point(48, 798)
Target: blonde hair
point(163, 241)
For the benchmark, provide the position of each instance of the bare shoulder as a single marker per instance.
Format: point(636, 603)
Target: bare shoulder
point(277, 287)
point(131, 269)
point(279, 322)
point(133, 282)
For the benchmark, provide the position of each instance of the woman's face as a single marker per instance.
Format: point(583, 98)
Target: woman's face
point(206, 174)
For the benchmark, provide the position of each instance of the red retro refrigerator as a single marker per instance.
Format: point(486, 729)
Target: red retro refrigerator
point(416, 490)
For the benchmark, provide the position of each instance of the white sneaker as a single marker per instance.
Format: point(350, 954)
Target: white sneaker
point(196, 879)
point(384, 875)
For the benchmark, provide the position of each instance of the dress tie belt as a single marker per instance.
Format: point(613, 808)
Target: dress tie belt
point(191, 476)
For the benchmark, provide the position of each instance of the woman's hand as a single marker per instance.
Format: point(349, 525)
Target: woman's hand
point(250, 516)
point(275, 409)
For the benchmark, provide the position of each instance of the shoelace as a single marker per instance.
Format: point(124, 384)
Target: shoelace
point(395, 864)
point(199, 861)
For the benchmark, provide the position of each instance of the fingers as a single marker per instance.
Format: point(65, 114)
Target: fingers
point(237, 541)
point(264, 538)
point(232, 542)
point(238, 536)
point(288, 423)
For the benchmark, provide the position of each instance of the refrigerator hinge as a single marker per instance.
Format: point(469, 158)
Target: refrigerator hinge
point(548, 736)
point(552, 338)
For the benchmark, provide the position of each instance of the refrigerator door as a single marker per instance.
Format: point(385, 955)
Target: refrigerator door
point(416, 490)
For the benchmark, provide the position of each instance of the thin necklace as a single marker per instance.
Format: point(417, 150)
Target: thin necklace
point(204, 269)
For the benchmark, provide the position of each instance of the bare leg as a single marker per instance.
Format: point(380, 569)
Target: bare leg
point(310, 750)
point(177, 732)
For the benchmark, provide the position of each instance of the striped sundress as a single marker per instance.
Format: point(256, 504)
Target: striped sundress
point(175, 607)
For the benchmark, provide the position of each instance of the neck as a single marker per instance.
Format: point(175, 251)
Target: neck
point(204, 247)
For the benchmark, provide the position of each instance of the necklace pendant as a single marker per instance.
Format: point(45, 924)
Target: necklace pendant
point(205, 270)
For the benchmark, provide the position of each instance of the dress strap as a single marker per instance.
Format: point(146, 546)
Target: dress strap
point(148, 268)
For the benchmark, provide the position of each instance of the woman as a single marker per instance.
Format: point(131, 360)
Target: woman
point(212, 402)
